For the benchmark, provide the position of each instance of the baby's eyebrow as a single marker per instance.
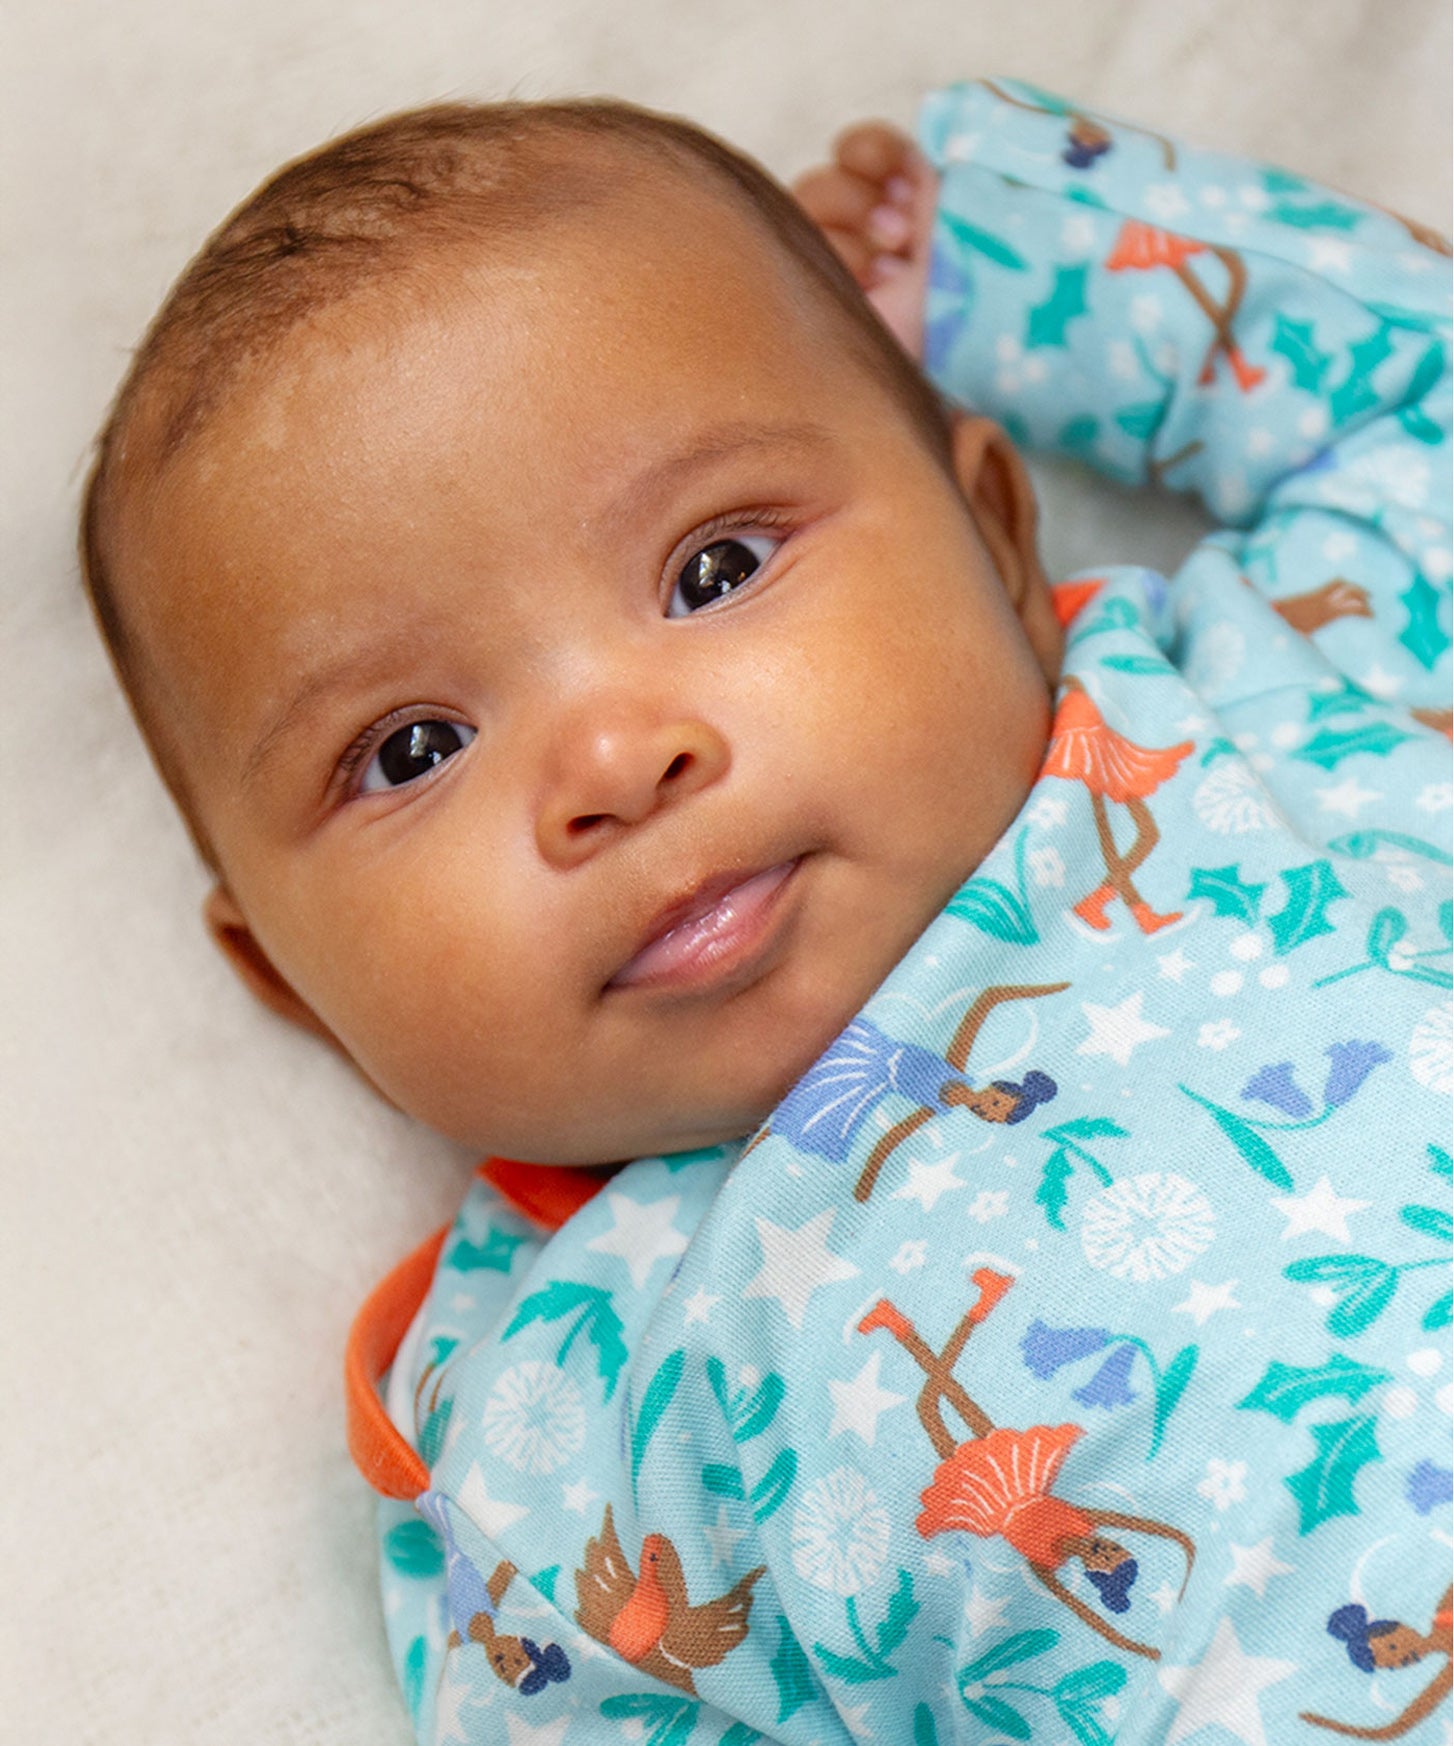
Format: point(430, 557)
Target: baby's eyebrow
point(342, 675)
point(723, 442)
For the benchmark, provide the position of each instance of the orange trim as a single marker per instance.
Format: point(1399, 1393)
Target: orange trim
point(547, 1194)
point(379, 1450)
point(1067, 598)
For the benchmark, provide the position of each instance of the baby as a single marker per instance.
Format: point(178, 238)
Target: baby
point(625, 713)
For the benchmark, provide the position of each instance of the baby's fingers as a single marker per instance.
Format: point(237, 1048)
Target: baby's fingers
point(878, 153)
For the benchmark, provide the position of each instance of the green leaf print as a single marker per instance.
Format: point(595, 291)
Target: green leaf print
point(595, 1317)
point(1356, 393)
point(1144, 664)
point(413, 1549)
point(900, 1614)
point(1254, 1149)
point(739, 1734)
point(748, 1412)
point(669, 1719)
point(1310, 890)
point(774, 1485)
point(873, 1663)
point(1227, 891)
point(1088, 1685)
point(1141, 422)
point(1385, 931)
point(1324, 1488)
point(1440, 1161)
point(1364, 845)
point(1293, 340)
point(997, 1714)
point(1439, 1313)
point(1364, 1286)
point(792, 1672)
point(1325, 215)
point(657, 1399)
point(996, 910)
point(413, 1671)
point(1054, 1189)
point(1327, 748)
point(723, 1481)
point(496, 1254)
point(1433, 1221)
point(1021, 1646)
point(1046, 323)
point(972, 240)
point(925, 1733)
point(1345, 698)
point(1423, 636)
point(1170, 1387)
point(1285, 1389)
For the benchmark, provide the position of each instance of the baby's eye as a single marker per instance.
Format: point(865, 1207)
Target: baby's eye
point(718, 570)
point(413, 751)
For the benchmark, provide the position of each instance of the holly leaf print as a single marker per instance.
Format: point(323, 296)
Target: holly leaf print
point(1324, 1488)
point(1046, 323)
point(1324, 215)
point(972, 240)
point(1327, 748)
point(1423, 636)
point(1293, 340)
point(1285, 1389)
point(1346, 699)
point(1355, 393)
point(1226, 891)
point(1310, 890)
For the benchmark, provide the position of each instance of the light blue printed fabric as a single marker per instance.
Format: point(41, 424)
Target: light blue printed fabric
point(1068, 1358)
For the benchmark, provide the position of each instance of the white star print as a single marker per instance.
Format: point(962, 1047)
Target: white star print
point(858, 1404)
point(1203, 1301)
point(1254, 1567)
point(699, 1307)
point(982, 1613)
point(1327, 254)
point(641, 1235)
point(722, 1537)
point(928, 1181)
point(491, 1515)
point(1165, 1598)
point(1220, 1691)
point(1319, 1210)
point(1174, 965)
point(1346, 797)
point(796, 1263)
point(1117, 1030)
point(578, 1496)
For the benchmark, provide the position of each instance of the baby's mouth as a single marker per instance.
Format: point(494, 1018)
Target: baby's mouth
point(716, 930)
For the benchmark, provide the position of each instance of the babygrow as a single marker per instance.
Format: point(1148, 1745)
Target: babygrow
point(1067, 1356)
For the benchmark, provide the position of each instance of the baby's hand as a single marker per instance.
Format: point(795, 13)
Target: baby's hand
point(875, 204)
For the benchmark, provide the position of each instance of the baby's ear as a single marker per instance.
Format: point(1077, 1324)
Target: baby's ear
point(997, 488)
point(238, 944)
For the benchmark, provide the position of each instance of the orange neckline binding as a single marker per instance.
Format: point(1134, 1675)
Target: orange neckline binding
point(548, 1195)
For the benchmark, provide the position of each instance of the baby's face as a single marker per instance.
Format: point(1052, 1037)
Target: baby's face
point(589, 680)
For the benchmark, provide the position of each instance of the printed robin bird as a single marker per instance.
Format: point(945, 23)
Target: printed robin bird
point(648, 1619)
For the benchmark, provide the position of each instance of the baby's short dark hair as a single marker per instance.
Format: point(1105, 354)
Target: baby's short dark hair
point(358, 208)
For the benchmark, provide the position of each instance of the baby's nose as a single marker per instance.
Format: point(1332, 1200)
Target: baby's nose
point(616, 774)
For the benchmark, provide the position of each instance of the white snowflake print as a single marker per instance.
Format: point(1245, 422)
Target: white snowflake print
point(840, 1534)
point(1047, 866)
point(989, 1203)
point(909, 1255)
point(1046, 813)
point(1225, 1483)
point(1231, 801)
point(534, 1419)
point(1431, 1049)
point(1166, 202)
point(1147, 1227)
point(1218, 1034)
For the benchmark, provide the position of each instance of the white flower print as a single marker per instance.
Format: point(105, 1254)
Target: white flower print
point(909, 1255)
point(1217, 1034)
point(840, 1534)
point(1047, 813)
point(534, 1419)
point(1231, 801)
point(1431, 1049)
point(1146, 1227)
point(989, 1203)
point(1225, 1483)
point(1047, 866)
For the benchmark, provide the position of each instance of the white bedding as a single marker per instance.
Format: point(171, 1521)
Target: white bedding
point(196, 1199)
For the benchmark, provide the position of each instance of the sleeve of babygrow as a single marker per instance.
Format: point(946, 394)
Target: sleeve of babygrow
point(1184, 318)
